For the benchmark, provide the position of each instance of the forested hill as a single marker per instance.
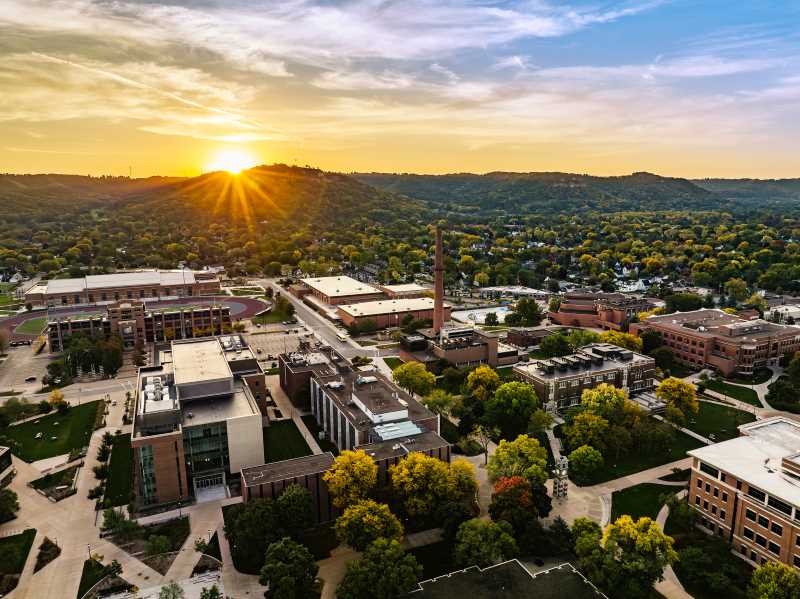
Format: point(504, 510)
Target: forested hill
point(770, 191)
point(520, 193)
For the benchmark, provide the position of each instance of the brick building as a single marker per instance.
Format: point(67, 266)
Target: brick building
point(560, 382)
point(725, 342)
point(612, 311)
point(139, 285)
point(747, 491)
point(335, 291)
point(458, 345)
point(134, 323)
point(388, 313)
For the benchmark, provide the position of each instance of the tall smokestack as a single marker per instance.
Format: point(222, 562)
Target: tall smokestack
point(438, 274)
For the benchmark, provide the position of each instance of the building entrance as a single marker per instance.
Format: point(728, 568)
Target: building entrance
point(210, 487)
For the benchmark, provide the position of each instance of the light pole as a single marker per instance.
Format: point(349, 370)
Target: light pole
point(209, 535)
point(89, 550)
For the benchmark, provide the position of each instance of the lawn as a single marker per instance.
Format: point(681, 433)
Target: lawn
point(761, 375)
point(282, 440)
point(717, 420)
point(32, 326)
point(60, 434)
point(120, 476)
point(15, 550)
point(636, 461)
point(393, 362)
point(744, 394)
point(245, 291)
point(314, 429)
point(93, 572)
point(681, 475)
point(55, 479)
point(640, 500)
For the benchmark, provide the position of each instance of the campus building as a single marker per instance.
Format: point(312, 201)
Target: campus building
point(560, 382)
point(197, 421)
point(404, 291)
point(747, 491)
point(135, 324)
point(611, 311)
point(726, 342)
point(141, 285)
point(458, 345)
point(388, 313)
point(335, 291)
point(529, 336)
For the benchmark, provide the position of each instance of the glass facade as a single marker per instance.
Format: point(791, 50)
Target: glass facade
point(147, 477)
point(206, 448)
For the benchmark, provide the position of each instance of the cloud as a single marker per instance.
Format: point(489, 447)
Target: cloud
point(512, 62)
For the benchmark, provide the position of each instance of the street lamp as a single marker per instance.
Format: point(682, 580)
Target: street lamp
point(209, 535)
point(89, 550)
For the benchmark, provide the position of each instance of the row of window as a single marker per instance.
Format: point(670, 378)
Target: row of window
point(763, 522)
point(770, 546)
point(713, 507)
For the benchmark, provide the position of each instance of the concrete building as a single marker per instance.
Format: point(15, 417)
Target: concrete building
point(103, 289)
point(560, 382)
point(713, 338)
point(611, 311)
point(389, 313)
point(405, 291)
point(528, 336)
point(335, 291)
point(134, 323)
point(196, 422)
point(268, 481)
point(295, 372)
point(458, 345)
point(747, 491)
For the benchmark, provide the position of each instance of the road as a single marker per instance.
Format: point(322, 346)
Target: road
point(323, 328)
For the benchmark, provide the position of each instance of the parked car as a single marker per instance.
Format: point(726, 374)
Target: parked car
point(30, 379)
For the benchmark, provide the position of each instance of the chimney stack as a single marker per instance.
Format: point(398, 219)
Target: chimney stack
point(438, 274)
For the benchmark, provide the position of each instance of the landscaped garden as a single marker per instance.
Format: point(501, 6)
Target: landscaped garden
point(393, 362)
point(60, 433)
point(57, 485)
point(154, 545)
point(744, 394)
point(120, 475)
point(283, 440)
point(94, 571)
point(759, 376)
point(718, 422)
point(14, 552)
point(644, 500)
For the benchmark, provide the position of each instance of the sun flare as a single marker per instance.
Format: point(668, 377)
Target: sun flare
point(231, 160)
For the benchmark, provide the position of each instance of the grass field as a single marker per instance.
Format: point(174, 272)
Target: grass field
point(761, 375)
point(62, 477)
point(741, 393)
point(717, 420)
point(640, 500)
point(314, 429)
point(21, 544)
point(71, 431)
point(120, 476)
point(282, 440)
point(32, 326)
point(93, 572)
point(271, 317)
point(245, 291)
point(636, 461)
point(393, 362)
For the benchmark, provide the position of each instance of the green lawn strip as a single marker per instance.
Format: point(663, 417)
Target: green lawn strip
point(93, 572)
point(177, 531)
point(32, 326)
point(213, 549)
point(545, 442)
point(506, 374)
point(314, 429)
point(640, 500)
point(282, 441)
point(55, 479)
point(636, 461)
point(21, 545)
point(393, 362)
point(682, 475)
point(721, 421)
point(761, 375)
point(73, 431)
point(449, 431)
point(744, 394)
point(118, 485)
point(271, 317)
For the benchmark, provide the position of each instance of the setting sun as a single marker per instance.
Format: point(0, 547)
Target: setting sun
point(232, 160)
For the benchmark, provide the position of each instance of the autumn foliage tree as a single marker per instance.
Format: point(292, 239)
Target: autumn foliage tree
point(521, 457)
point(364, 522)
point(351, 478)
point(423, 482)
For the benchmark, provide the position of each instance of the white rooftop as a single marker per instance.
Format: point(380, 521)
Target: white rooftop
point(406, 288)
point(122, 279)
point(340, 286)
point(398, 306)
point(756, 456)
point(197, 361)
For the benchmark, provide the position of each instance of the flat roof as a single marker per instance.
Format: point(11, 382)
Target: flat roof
point(535, 368)
point(395, 448)
point(509, 579)
point(340, 286)
point(406, 288)
point(713, 322)
point(218, 409)
point(121, 279)
point(286, 469)
point(390, 306)
point(756, 457)
point(198, 360)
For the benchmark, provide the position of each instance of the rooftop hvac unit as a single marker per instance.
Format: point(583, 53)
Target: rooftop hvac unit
point(365, 380)
point(335, 385)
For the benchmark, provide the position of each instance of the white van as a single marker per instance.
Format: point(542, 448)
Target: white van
point(341, 337)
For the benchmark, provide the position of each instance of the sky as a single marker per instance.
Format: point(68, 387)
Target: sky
point(692, 88)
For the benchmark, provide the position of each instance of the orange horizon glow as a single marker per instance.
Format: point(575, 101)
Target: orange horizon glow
point(231, 160)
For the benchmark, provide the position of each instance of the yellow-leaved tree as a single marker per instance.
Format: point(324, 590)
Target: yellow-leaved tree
point(351, 478)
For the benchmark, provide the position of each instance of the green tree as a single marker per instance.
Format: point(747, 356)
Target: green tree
point(251, 527)
point(527, 313)
point(157, 544)
point(439, 401)
point(385, 571)
point(663, 357)
point(603, 400)
point(554, 346)
point(295, 509)
point(414, 378)
point(651, 339)
point(521, 457)
point(577, 338)
point(491, 319)
point(539, 422)
point(587, 429)
point(423, 482)
point(511, 407)
point(366, 521)
point(9, 505)
point(482, 382)
point(774, 581)
point(793, 370)
point(484, 543)
point(584, 462)
point(171, 591)
point(736, 288)
point(351, 478)
point(519, 502)
point(116, 523)
point(289, 571)
point(210, 593)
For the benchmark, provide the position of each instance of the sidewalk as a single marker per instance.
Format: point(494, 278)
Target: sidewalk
point(670, 587)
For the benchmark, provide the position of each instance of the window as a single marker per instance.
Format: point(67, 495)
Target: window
point(761, 541)
point(774, 548)
point(716, 492)
point(697, 502)
point(708, 488)
point(722, 476)
point(722, 514)
point(780, 506)
point(699, 483)
point(738, 485)
point(748, 534)
point(714, 509)
point(762, 521)
point(797, 540)
point(753, 556)
point(724, 496)
point(751, 515)
point(796, 560)
point(705, 505)
point(756, 493)
point(777, 529)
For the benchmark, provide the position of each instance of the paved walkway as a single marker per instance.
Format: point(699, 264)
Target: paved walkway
point(691, 433)
point(670, 587)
